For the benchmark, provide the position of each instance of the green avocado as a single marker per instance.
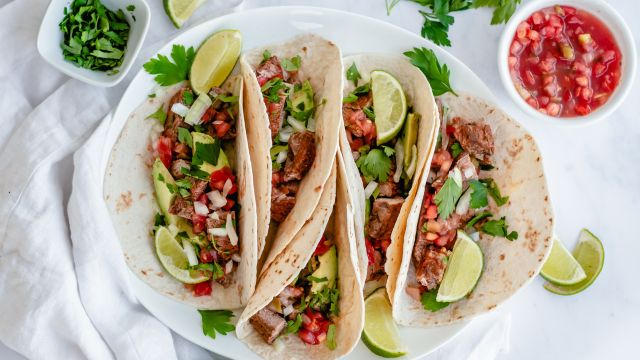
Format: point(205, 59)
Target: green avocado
point(200, 138)
point(328, 268)
point(166, 188)
point(410, 136)
point(302, 102)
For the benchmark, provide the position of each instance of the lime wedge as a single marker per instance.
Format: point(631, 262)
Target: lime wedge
point(462, 274)
point(590, 255)
point(174, 260)
point(389, 104)
point(215, 59)
point(561, 268)
point(380, 333)
point(179, 11)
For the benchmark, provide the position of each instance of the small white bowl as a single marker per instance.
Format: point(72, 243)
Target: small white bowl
point(618, 28)
point(50, 38)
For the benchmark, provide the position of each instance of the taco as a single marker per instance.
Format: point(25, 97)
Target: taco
point(309, 303)
point(383, 168)
point(292, 104)
point(485, 182)
point(198, 164)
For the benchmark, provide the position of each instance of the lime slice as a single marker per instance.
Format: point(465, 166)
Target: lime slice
point(215, 59)
point(561, 268)
point(380, 333)
point(180, 11)
point(590, 255)
point(174, 260)
point(389, 104)
point(462, 274)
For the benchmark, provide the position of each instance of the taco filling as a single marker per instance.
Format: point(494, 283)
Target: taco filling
point(456, 198)
point(386, 169)
point(290, 107)
point(307, 307)
point(196, 184)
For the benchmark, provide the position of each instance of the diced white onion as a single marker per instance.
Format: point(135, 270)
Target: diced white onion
point(228, 267)
point(463, 203)
point(201, 208)
point(399, 161)
point(217, 200)
point(179, 109)
point(431, 177)
point(444, 138)
point(475, 236)
point(218, 231)
point(236, 257)
point(371, 187)
point(456, 175)
point(469, 172)
point(311, 124)
point(285, 133)
point(214, 216)
point(173, 230)
point(287, 310)
point(356, 155)
point(414, 162)
point(190, 252)
point(227, 187)
point(231, 231)
point(296, 124)
point(199, 107)
point(278, 345)
point(282, 157)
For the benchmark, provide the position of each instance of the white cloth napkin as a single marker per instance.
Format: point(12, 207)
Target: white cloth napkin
point(64, 287)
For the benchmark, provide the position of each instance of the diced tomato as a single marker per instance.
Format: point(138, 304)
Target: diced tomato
point(163, 147)
point(219, 177)
point(521, 30)
point(308, 337)
point(208, 115)
point(229, 205)
point(322, 247)
point(221, 128)
point(537, 18)
point(370, 250)
point(205, 256)
point(432, 212)
point(199, 223)
point(202, 289)
point(440, 241)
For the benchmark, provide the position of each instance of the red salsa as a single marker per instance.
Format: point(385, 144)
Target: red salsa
point(564, 61)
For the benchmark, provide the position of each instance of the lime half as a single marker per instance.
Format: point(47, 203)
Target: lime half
point(464, 270)
point(590, 255)
point(561, 268)
point(174, 260)
point(380, 333)
point(180, 11)
point(215, 59)
point(389, 104)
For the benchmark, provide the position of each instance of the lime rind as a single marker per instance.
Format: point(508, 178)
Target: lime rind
point(174, 260)
point(179, 11)
point(463, 271)
point(561, 268)
point(390, 105)
point(380, 333)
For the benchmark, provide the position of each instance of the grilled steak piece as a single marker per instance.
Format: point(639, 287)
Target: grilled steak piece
point(389, 188)
point(269, 69)
point(182, 208)
point(276, 112)
point(268, 324)
point(384, 213)
point(182, 151)
point(176, 168)
point(475, 138)
point(223, 246)
point(376, 267)
point(290, 295)
point(197, 188)
point(225, 280)
point(430, 271)
point(281, 205)
point(219, 222)
point(420, 245)
point(467, 169)
point(302, 152)
point(173, 121)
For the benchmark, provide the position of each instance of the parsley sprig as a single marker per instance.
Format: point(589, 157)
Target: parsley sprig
point(216, 321)
point(437, 74)
point(170, 72)
point(375, 164)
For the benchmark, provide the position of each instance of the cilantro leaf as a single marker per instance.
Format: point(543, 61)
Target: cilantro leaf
point(168, 72)
point(131, 7)
point(456, 149)
point(353, 74)
point(449, 194)
point(499, 228)
point(494, 191)
point(478, 194)
point(437, 75)
point(326, 300)
point(293, 64)
point(479, 217)
point(208, 153)
point(266, 55)
point(502, 9)
point(294, 325)
point(195, 172)
point(216, 321)
point(159, 115)
point(368, 111)
point(436, 27)
point(331, 337)
point(316, 279)
point(184, 136)
point(389, 151)
point(187, 98)
point(430, 303)
point(350, 98)
point(272, 89)
point(375, 165)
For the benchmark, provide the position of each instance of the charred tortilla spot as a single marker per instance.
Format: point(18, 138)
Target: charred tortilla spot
point(491, 307)
point(142, 196)
point(124, 202)
point(144, 272)
point(531, 273)
point(318, 188)
point(502, 256)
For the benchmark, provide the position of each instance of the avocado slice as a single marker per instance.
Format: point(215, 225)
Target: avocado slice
point(165, 187)
point(410, 136)
point(328, 268)
point(302, 102)
point(204, 139)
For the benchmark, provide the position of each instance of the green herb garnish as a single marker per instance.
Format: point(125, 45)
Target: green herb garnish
point(499, 228)
point(437, 75)
point(168, 72)
point(447, 197)
point(430, 303)
point(353, 74)
point(216, 321)
point(159, 115)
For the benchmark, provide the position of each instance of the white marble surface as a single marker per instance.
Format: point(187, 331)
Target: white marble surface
point(594, 179)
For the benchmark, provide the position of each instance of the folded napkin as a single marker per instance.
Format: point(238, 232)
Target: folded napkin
point(64, 286)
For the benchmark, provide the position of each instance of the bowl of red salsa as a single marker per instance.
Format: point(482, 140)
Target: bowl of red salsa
point(570, 63)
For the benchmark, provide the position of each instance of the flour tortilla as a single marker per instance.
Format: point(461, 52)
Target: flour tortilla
point(419, 96)
point(320, 65)
point(130, 198)
point(508, 265)
point(330, 217)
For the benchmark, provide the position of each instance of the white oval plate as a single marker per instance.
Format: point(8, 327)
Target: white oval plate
point(354, 34)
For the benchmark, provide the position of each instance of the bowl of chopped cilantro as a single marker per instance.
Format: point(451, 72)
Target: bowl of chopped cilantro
point(95, 41)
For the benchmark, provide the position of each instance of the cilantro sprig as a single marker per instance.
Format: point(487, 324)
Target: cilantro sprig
point(170, 72)
point(375, 165)
point(499, 228)
point(216, 321)
point(502, 9)
point(447, 197)
point(437, 74)
point(353, 74)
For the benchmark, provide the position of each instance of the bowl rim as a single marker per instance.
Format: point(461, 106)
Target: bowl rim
point(76, 72)
point(619, 29)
